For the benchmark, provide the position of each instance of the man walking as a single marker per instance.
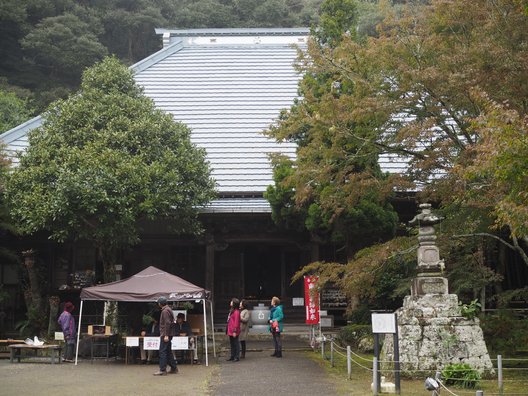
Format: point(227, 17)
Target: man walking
point(166, 328)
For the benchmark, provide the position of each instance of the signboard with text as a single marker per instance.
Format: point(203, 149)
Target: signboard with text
point(151, 343)
point(383, 323)
point(311, 299)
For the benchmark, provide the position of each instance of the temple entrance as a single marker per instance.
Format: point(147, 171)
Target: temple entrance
point(262, 272)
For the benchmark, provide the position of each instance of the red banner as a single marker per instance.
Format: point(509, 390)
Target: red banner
point(311, 299)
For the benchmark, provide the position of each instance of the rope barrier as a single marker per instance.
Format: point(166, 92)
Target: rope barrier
point(360, 365)
point(447, 389)
point(512, 359)
point(340, 353)
point(338, 348)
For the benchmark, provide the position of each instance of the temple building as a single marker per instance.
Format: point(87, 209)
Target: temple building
point(228, 86)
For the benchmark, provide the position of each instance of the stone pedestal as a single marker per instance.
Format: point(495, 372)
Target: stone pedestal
point(432, 334)
point(428, 285)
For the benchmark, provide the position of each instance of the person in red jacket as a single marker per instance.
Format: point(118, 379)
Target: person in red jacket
point(233, 329)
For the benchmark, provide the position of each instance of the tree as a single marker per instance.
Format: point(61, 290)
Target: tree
point(412, 92)
point(13, 110)
point(102, 161)
point(497, 176)
point(63, 45)
point(335, 187)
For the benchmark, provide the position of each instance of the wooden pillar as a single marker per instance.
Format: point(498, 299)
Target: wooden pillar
point(314, 251)
point(209, 264)
point(284, 281)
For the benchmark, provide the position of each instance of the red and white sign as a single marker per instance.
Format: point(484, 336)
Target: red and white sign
point(311, 299)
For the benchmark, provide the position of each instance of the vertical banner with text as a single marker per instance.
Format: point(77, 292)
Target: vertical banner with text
point(311, 299)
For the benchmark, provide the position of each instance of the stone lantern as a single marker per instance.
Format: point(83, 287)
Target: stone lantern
point(432, 332)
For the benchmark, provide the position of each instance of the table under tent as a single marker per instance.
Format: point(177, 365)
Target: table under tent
point(146, 286)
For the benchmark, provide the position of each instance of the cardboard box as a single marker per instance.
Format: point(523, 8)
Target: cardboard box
point(99, 330)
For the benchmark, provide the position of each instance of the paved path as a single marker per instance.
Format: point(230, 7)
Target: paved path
point(260, 374)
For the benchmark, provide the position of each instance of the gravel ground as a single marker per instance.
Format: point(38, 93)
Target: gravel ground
point(258, 374)
point(100, 378)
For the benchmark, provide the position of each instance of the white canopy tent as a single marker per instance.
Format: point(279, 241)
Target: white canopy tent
point(147, 286)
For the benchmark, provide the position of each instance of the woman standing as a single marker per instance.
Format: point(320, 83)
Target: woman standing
point(233, 329)
point(275, 325)
point(244, 327)
point(67, 324)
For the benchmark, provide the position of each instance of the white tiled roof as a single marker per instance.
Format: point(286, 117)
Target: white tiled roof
point(228, 88)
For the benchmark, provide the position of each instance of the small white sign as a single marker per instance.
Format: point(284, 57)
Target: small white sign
point(298, 301)
point(384, 323)
point(59, 336)
point(175, 312)
point(180, 343)
point(151, 343)
point(132, 341)
point(327, 321)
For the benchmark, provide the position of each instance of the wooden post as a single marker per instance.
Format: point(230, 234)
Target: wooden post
point(209, 264)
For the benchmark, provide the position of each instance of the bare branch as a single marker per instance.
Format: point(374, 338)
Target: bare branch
point(514, 247)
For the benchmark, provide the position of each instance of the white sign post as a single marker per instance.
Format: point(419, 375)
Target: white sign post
point(132, 341)
point(383, 323)
point(386, 323)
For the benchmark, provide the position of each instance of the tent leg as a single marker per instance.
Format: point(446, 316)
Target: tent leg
point(212, 328)
point(205, 334)
point(78, 333)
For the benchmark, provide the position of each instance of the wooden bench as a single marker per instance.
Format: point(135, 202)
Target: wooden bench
point(4, 353)
point(16, 351)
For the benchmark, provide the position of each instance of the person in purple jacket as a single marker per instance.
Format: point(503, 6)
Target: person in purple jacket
point(233, 329)
point(67, 324)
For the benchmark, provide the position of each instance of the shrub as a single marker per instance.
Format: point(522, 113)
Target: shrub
point(504, 333)
point(471, 310)
point(461, 374)
point(353, 334)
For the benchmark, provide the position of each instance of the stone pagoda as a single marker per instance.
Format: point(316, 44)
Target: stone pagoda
point(432, 332)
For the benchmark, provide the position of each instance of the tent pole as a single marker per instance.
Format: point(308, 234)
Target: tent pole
point(212, 328)
point(78, 333)
point(105, 311)
point(205, 334)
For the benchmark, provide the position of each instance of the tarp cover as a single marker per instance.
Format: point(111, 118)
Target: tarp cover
point(146, 286)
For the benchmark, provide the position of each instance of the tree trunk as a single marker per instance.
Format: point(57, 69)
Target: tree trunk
point(54, 302)
point(108, 256)
point(36, 310)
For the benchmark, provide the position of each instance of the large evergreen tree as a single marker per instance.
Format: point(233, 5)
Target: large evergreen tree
point(102, 161)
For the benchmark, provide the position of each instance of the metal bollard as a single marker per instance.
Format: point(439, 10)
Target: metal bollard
point(375, 389)
point(499, 370)
point(332, 353)
point(349, 362)
point(323, 347)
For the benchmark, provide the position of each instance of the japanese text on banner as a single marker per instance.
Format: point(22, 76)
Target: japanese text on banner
point(311, 298)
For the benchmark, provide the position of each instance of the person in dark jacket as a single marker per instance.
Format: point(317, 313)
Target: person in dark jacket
point(67, 324)
point(233, 329)
point(182, 327)
point(152, 330)
point(166, 326)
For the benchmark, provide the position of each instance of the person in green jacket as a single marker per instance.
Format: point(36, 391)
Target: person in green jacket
point(275, 325)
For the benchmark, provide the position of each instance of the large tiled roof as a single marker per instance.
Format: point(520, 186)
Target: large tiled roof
point(227, 85)
point(228, 88)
